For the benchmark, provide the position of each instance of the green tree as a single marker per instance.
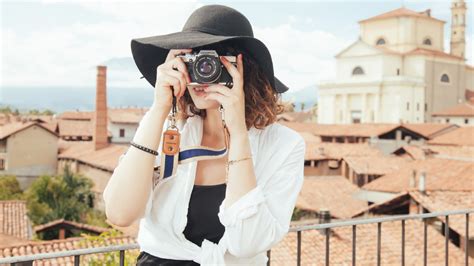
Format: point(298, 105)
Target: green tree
point(65, 196)
point(10, 188)
point(107, 258)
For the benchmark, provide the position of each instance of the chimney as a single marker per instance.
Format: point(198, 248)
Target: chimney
point(428, 12)
point(324, 216)
point(422, 182)
point(413, 180)
point(100, 118)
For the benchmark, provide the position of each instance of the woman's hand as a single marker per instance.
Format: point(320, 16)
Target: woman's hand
point(172, 74)
point(233, 100)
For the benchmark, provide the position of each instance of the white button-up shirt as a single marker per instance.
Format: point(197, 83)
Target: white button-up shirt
point(253, 224)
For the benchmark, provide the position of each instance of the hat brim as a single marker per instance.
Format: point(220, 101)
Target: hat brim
point(150, 52)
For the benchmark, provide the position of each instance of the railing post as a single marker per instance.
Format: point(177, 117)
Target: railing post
point(298, 245)
point(446, 242)
point(353, 245)
point(379, 236)
point(425, 242)
point(403, 242)
point(328, 231)
point(122, 257)
point(77, 260)
point(466, 241)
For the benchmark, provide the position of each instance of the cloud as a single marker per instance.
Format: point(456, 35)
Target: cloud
point(301, 58)
point(69, 54)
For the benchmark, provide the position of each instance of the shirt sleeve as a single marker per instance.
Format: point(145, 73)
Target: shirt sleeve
point(261, 217)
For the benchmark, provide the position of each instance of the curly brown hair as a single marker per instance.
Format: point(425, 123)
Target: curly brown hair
point(262, 102)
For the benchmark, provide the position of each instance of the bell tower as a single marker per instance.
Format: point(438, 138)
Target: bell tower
point(458, 27)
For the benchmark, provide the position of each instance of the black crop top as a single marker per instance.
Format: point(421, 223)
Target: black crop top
point(203, 222)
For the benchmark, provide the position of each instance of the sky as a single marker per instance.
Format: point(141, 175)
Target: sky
point(60, 43)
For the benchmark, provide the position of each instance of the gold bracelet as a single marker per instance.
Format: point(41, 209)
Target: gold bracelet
point(232, 162)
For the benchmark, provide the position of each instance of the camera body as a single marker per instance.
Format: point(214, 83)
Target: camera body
point(205, 67)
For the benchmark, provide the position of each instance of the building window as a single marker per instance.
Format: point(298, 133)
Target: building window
point(356, 116)
point(408, 106)
point(418, 106)
point(426, 107)
point(447, 120)
point(427, 41)
point(2, 164)
point(358, 71)
point(398, 71)
point(122, 132)
point(380, 41)
point(445, 78)
point(466, 121)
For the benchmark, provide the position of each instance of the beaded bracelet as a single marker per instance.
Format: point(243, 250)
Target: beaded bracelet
point(143, 148)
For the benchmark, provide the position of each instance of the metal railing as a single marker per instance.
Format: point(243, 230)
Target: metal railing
point(298, 229)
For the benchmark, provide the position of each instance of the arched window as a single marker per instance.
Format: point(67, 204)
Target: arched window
point(455, 19)
point(358, 71)
point(445, 78)
point(427, 41)
point(380, 41)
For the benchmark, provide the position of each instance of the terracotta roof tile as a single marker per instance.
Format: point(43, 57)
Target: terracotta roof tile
point(327, 150)
point(84, 151)
point(401, 12)
point(76, 128)
point(77, 225)
point(37, 247)
point(14, 220)
point(424, 51)
point(414, 152)
point(308, 137)
point(14, 127)
point(457, 152)
point(441, 174)
point(294, 116)
point(437, 201)
point(458, 137)
point(430, 130)
point(465, 109)
point(339, 130)
point(375, 165)
point(115, 115)
point(313, 246)
point(330, 192)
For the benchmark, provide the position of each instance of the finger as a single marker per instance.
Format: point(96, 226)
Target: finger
point(171, 81)
point(231, 69)
point(182, 79)
point(173, 52)
point(181, 66)
point(240, 65)
point(219, 88)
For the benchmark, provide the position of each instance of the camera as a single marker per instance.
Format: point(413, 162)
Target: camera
point(205, 67)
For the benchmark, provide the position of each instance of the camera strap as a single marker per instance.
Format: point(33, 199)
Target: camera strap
point(172, 155)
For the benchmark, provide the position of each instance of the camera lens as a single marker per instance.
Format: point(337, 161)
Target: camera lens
point(207, 69)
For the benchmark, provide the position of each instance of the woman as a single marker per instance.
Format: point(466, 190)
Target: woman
point(221, 210)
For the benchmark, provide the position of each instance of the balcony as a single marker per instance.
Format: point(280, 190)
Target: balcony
point(439, 250)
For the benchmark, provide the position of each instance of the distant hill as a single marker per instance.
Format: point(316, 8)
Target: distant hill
point(307, 95)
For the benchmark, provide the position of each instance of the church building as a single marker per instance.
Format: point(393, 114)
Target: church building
point(397, 71)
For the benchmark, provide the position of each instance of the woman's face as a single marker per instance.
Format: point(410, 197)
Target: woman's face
point(197, 94)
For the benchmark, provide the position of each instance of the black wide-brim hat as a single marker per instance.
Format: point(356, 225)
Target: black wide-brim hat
point(207, 25)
